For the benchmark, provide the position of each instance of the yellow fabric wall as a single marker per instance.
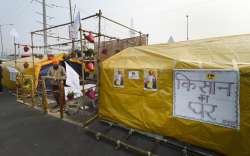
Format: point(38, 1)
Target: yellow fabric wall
point(152, 111)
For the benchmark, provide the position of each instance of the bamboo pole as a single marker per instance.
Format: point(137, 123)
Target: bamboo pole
point(91, 120)
point(51, 45)
point(16, 68)
point(104, 35)
point(32, 93)
point(56, 37)
point(83, 64)
point(110, 37)
point(44, 97)
point(62, 99)
point(113, 21)
point(17, 86)
point(18, 44)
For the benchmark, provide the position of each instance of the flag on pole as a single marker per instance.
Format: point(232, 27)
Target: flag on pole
point(73, 32)
point(74, 28)
point(77, 21)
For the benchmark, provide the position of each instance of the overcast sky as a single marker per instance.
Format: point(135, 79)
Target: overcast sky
point(158, 18)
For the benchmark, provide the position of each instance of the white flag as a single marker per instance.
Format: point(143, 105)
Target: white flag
point(77, 21)
point(73, 32)
point(74, 28)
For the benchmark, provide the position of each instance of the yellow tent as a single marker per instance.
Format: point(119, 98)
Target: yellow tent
point(130, 95)
point(39, 63)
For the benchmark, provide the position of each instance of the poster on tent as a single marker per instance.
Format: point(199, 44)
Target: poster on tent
point(150, 79)
point(134, 75)
point(13, 73)
point(118, 78)
point(209, 96)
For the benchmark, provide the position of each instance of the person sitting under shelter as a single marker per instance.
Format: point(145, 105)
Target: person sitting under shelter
point(56, 73)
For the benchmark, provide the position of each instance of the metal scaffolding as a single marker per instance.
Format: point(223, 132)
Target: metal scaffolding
point(97, 35)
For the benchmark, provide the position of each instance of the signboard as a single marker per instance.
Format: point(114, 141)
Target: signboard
point(209, 96)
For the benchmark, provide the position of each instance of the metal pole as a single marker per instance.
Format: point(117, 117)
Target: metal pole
point(1, 39)
point(132, 33)
point(98, 53)
point(187, 16)
point(45, 41)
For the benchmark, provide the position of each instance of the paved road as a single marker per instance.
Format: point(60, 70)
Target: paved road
point(27, 132)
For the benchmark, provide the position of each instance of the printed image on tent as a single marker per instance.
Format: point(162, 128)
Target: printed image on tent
point(194, 91)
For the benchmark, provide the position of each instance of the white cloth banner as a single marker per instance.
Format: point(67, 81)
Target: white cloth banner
point(77, 21)
point(210, 96)
point(72, 81)
point(74, 28)
point(73, 32)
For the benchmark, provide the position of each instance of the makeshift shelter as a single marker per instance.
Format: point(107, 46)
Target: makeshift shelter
point(195, 91)
point(25, 66)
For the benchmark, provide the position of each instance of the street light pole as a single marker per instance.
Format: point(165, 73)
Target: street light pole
point(71, 20)
point(187, 16)
point(1, 37)
point(70, 11)
point(45, 39)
